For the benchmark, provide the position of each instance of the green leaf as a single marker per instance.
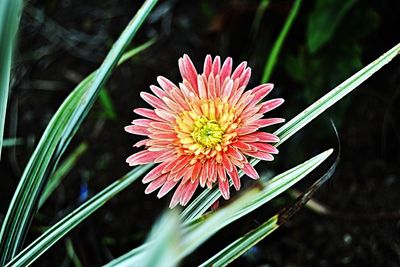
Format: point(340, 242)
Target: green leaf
point(197, 231)
point(191, 236)
point(10, 13)
point(61, 228)
point(107, 104)
point(324, 20)
point(9, 142)
point(244, 243)
point(55, 140)
point(165, 238)
point(71, 253)
point(208, 197)
point(64, 168)
point(273, 56)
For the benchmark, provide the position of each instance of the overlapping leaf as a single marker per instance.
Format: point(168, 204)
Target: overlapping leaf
point(55, 140)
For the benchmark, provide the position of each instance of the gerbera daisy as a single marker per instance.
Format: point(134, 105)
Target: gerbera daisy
point(202, 131)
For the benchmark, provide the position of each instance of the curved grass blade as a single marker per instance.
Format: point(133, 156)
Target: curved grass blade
point(244, 243)
point(208, 197)
point(57, 231)
point(191, 237)
point(273, 56)
point(54, 141)
point(200, 229)
point(165, 238)
point(10, 13)
point(64, 168)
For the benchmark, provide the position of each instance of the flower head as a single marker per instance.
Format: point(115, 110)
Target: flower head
point(202, 131)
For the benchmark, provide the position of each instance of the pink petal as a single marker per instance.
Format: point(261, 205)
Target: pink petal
point(271, 104)
point(172, 105)
point(265, 147)
point(148, 113)
point(260, 155)
point(141, 143)
point(168, 185)
point(249, 170)
point(179, 165)
point(260, 92)
point(154, 173)
point(226, 68)
point(207, 65)
point(234, 153)
point(246, 130)
point(177, 195)
point(245, 77)
point(211, 87)
point(216, 66)
point(221, 172)
point(223, 185)
point(196, 170)
point(267, 122)
point(139, 130)
point(241, 145)
point(166, 115)
point(235, 178)
point(239, 70)
point(264, 137)
point(142, 122)
point(204, 176)
point(167, 155)
point(162, 126)
point(165, 84)
point(226, 162)
point(143, 157)
point(157, 183)
point(201, 87)
point(158, 91)
point(166, 136)
point(152, 100)
point(190, 70)
point(189, 191)
point(227, 90)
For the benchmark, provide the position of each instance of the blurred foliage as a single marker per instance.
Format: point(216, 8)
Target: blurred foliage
point(333, 49)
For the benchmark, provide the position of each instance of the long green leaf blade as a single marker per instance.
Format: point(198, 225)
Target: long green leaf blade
point(61, 228)
point(9, 19)
point(64, 168)
point(199, 230)
point(204, 201)
point(244, 243)
point(273, 56)
point(54, 141)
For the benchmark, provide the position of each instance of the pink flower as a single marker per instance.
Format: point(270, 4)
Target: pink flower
point(201, 132)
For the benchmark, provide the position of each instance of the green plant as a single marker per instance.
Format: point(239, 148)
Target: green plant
point(181, 233)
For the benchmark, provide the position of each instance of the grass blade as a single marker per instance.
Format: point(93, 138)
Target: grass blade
point(244, 243)
point(165, 238)
point(10, 11)
point(200, 229)
point(208, 197)
point(273, 56)
point(64, 168)
point(328, 100)
point(191, 237)
point(54, 141)
point(57, 231)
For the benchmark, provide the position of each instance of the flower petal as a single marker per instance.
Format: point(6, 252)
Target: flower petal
point(249, 170)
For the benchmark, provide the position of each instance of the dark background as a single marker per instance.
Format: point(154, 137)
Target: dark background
point(62, 41)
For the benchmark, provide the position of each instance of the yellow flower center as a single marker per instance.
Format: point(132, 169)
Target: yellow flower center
point(207, 132)
point(206, 129)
